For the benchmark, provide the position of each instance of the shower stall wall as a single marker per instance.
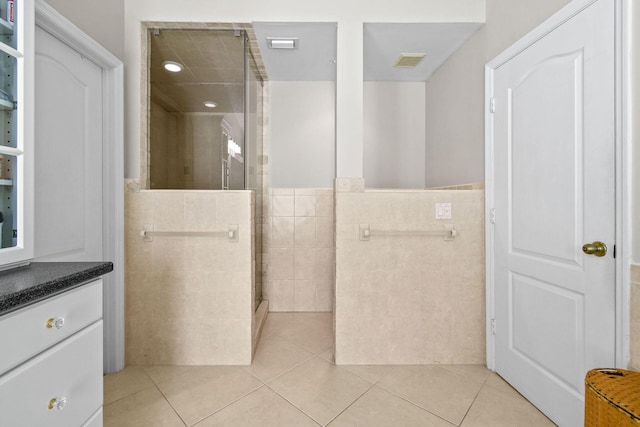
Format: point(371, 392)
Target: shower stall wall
point(406, 293)
point(190, 292)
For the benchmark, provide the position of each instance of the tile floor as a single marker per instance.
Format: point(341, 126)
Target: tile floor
point(293, 382)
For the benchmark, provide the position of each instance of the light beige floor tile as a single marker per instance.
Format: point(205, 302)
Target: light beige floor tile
point(320, 389)
point(161, 373)
point(328, 355)
point(279, 323)
point(130, 380)
point(497, 409)
point(371, 373)
point(203, 390)
point(479, 373)
point(261, 408)
point(495, 381)
point(379, 408)
point(275, 356)
point(145, 408)
point(312, 332)
point(440, 391)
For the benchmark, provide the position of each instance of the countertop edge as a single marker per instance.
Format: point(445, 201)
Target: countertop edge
point(51, 287)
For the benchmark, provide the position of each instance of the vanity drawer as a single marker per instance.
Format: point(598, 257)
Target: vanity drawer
point(60, 387)
point(96, 419)
point(35, 328)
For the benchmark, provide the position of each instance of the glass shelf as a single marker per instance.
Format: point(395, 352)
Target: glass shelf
point(6, 28)
point(7, 105)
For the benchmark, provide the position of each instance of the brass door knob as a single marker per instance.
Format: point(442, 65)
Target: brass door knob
point(595, 248)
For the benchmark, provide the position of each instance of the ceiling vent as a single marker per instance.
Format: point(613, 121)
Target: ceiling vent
point(282, 42)
point(408, 60)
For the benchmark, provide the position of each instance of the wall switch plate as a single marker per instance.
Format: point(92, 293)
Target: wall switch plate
point(443, 210)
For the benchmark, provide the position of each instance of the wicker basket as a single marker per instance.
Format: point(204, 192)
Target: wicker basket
point(612, 398)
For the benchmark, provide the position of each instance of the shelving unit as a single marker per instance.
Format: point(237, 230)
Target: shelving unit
point(6, 105)
point(6, 28)
point(6, 182)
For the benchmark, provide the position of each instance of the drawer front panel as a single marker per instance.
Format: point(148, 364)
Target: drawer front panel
point(96, 420)
point(37, 327)
point(60, 387)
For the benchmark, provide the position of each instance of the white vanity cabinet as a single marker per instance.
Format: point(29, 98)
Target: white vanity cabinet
point(51, 361)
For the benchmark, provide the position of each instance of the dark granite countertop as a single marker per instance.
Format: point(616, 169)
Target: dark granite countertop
point(26, 285)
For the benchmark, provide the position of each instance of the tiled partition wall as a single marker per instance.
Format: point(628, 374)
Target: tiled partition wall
point(188, 299)
point(409, 299)
point(299, 246)
point(634, 310)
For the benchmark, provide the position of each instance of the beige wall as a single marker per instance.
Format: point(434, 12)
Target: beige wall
point(455, 92)
point(100, 19)
point(189, 300)
point(302, 118)
point(299, 261)
point(394, 134)
point(409, 299)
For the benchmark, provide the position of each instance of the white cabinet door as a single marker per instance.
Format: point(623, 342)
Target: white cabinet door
point(68, 171)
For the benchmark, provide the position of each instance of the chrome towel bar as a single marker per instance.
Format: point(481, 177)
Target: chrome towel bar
point(232, 233)
point(366, 232)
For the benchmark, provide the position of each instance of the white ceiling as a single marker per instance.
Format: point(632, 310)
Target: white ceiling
point(383, 43)
point(214, 59)
point(313, 60)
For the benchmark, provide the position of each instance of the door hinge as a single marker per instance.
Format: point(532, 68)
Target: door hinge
point(492, 105)
point(492, 216)
point(493, 326)
point(614, 251)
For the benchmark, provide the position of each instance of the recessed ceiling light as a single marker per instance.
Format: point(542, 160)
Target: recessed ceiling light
point(282, 43)
point(174, 67)
point(210, 104)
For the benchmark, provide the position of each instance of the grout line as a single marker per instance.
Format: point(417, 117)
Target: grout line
point(171, 406)
point(484, 383)
point(130, 394)
point(351, 404)
point(292, 404)
point(416, 405)
point(127, 396)
point(362, 376)
point(290, 369)
point(229, 404)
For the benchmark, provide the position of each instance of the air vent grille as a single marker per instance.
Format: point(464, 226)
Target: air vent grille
point(408, 60)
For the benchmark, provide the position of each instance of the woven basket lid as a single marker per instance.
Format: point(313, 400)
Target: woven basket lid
point(618, 386)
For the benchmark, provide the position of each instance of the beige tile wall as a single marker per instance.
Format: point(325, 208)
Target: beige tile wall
point(299, 241)
point(409, 300)
point(634, 314)
point(188, 300)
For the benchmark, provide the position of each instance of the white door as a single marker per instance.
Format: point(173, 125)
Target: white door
point(554, 190)
point(68, 153)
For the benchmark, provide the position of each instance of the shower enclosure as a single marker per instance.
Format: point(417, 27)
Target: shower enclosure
point(205, 116)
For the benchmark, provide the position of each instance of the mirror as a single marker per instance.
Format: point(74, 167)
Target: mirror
point(399, 59)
